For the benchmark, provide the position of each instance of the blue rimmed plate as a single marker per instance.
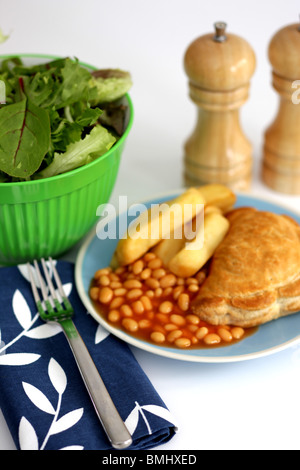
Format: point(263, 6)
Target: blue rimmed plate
point(272, 337)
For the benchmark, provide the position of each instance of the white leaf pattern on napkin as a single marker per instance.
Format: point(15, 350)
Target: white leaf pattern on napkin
point(38, 398)
point(101, 334)
point(67, 421)
point(138, 411)
point(27, 436)
point(57, 376)
point(44, 331)
point(18, 359)
point(21, 310)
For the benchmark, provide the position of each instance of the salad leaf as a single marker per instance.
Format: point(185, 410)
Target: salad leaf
point(79, 153)
point(110, 84)
point(51, 109)
point(24, 138)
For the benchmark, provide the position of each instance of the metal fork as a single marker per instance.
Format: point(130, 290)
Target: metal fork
point(57, 308)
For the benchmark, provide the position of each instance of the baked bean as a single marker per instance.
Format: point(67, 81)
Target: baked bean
point(202, 332)
point(193, 328)
point(145, 274)
point(200, 276)
point(138, 307)
point(158, 292)
point(104, 280)
point(149, 257)
point(113, 316)
point(138, 267)
point(102, 272)
point(167, 291)
point(193, 319)
point(117, 302)
point(126, 310)
point(120, 270)
point(150, 315)
point(166, 307)
point(134, 294)
point(146, 302)
point(150, 294)
point(132, 284)
point(175, 334)
point(115, 285)
point(177, 319)
point(191, 280)
point(170, 327)
point(168, 281)
point(143, 324)
point(183, 302)
point(162, 317)
point(94, 293)
point(225, 335)
point(193, 288)
point(180, 281)
point(130, 324)
point(158, 328)
point(212, 338)
point(120, 292)
point(114, 277)
point(155, 263)
point(105, 295)
point(158, 273)
point(182, 343)
point(177, 291)
point(237, 332)
point(157, 337)
point(152, 283)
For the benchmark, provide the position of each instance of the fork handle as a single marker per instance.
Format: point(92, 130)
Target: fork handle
point(111, 421)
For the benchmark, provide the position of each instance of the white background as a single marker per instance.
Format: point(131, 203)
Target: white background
point(248, 405)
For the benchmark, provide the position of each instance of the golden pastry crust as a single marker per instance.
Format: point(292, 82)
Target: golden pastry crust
point(254, 274)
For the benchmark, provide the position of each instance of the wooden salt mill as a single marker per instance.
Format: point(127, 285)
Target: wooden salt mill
point(219, 67)
point(281, 160)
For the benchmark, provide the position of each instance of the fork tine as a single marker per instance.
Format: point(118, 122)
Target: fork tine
point(57, 279)
point(33, 286)
point(41, 281)
point(48, 279)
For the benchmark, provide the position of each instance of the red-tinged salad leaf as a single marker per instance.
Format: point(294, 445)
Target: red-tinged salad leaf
point(45, 122)
point(24, 138)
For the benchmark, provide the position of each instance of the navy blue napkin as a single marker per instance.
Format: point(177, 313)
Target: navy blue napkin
point(42, 396)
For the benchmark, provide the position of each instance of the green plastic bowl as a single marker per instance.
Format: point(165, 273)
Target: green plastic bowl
point(47, 217)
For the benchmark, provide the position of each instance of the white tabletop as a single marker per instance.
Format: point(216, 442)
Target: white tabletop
point(244, 405)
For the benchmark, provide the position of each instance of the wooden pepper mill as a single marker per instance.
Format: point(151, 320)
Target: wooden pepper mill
point(219, 67)
point(281, 159)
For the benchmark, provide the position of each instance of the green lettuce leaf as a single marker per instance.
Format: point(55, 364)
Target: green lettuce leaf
point(50, 111)
point(79, 153)
point(110, 85)
point(24, 138)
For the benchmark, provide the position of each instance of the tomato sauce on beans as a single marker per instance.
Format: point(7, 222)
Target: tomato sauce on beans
point(149, 302)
